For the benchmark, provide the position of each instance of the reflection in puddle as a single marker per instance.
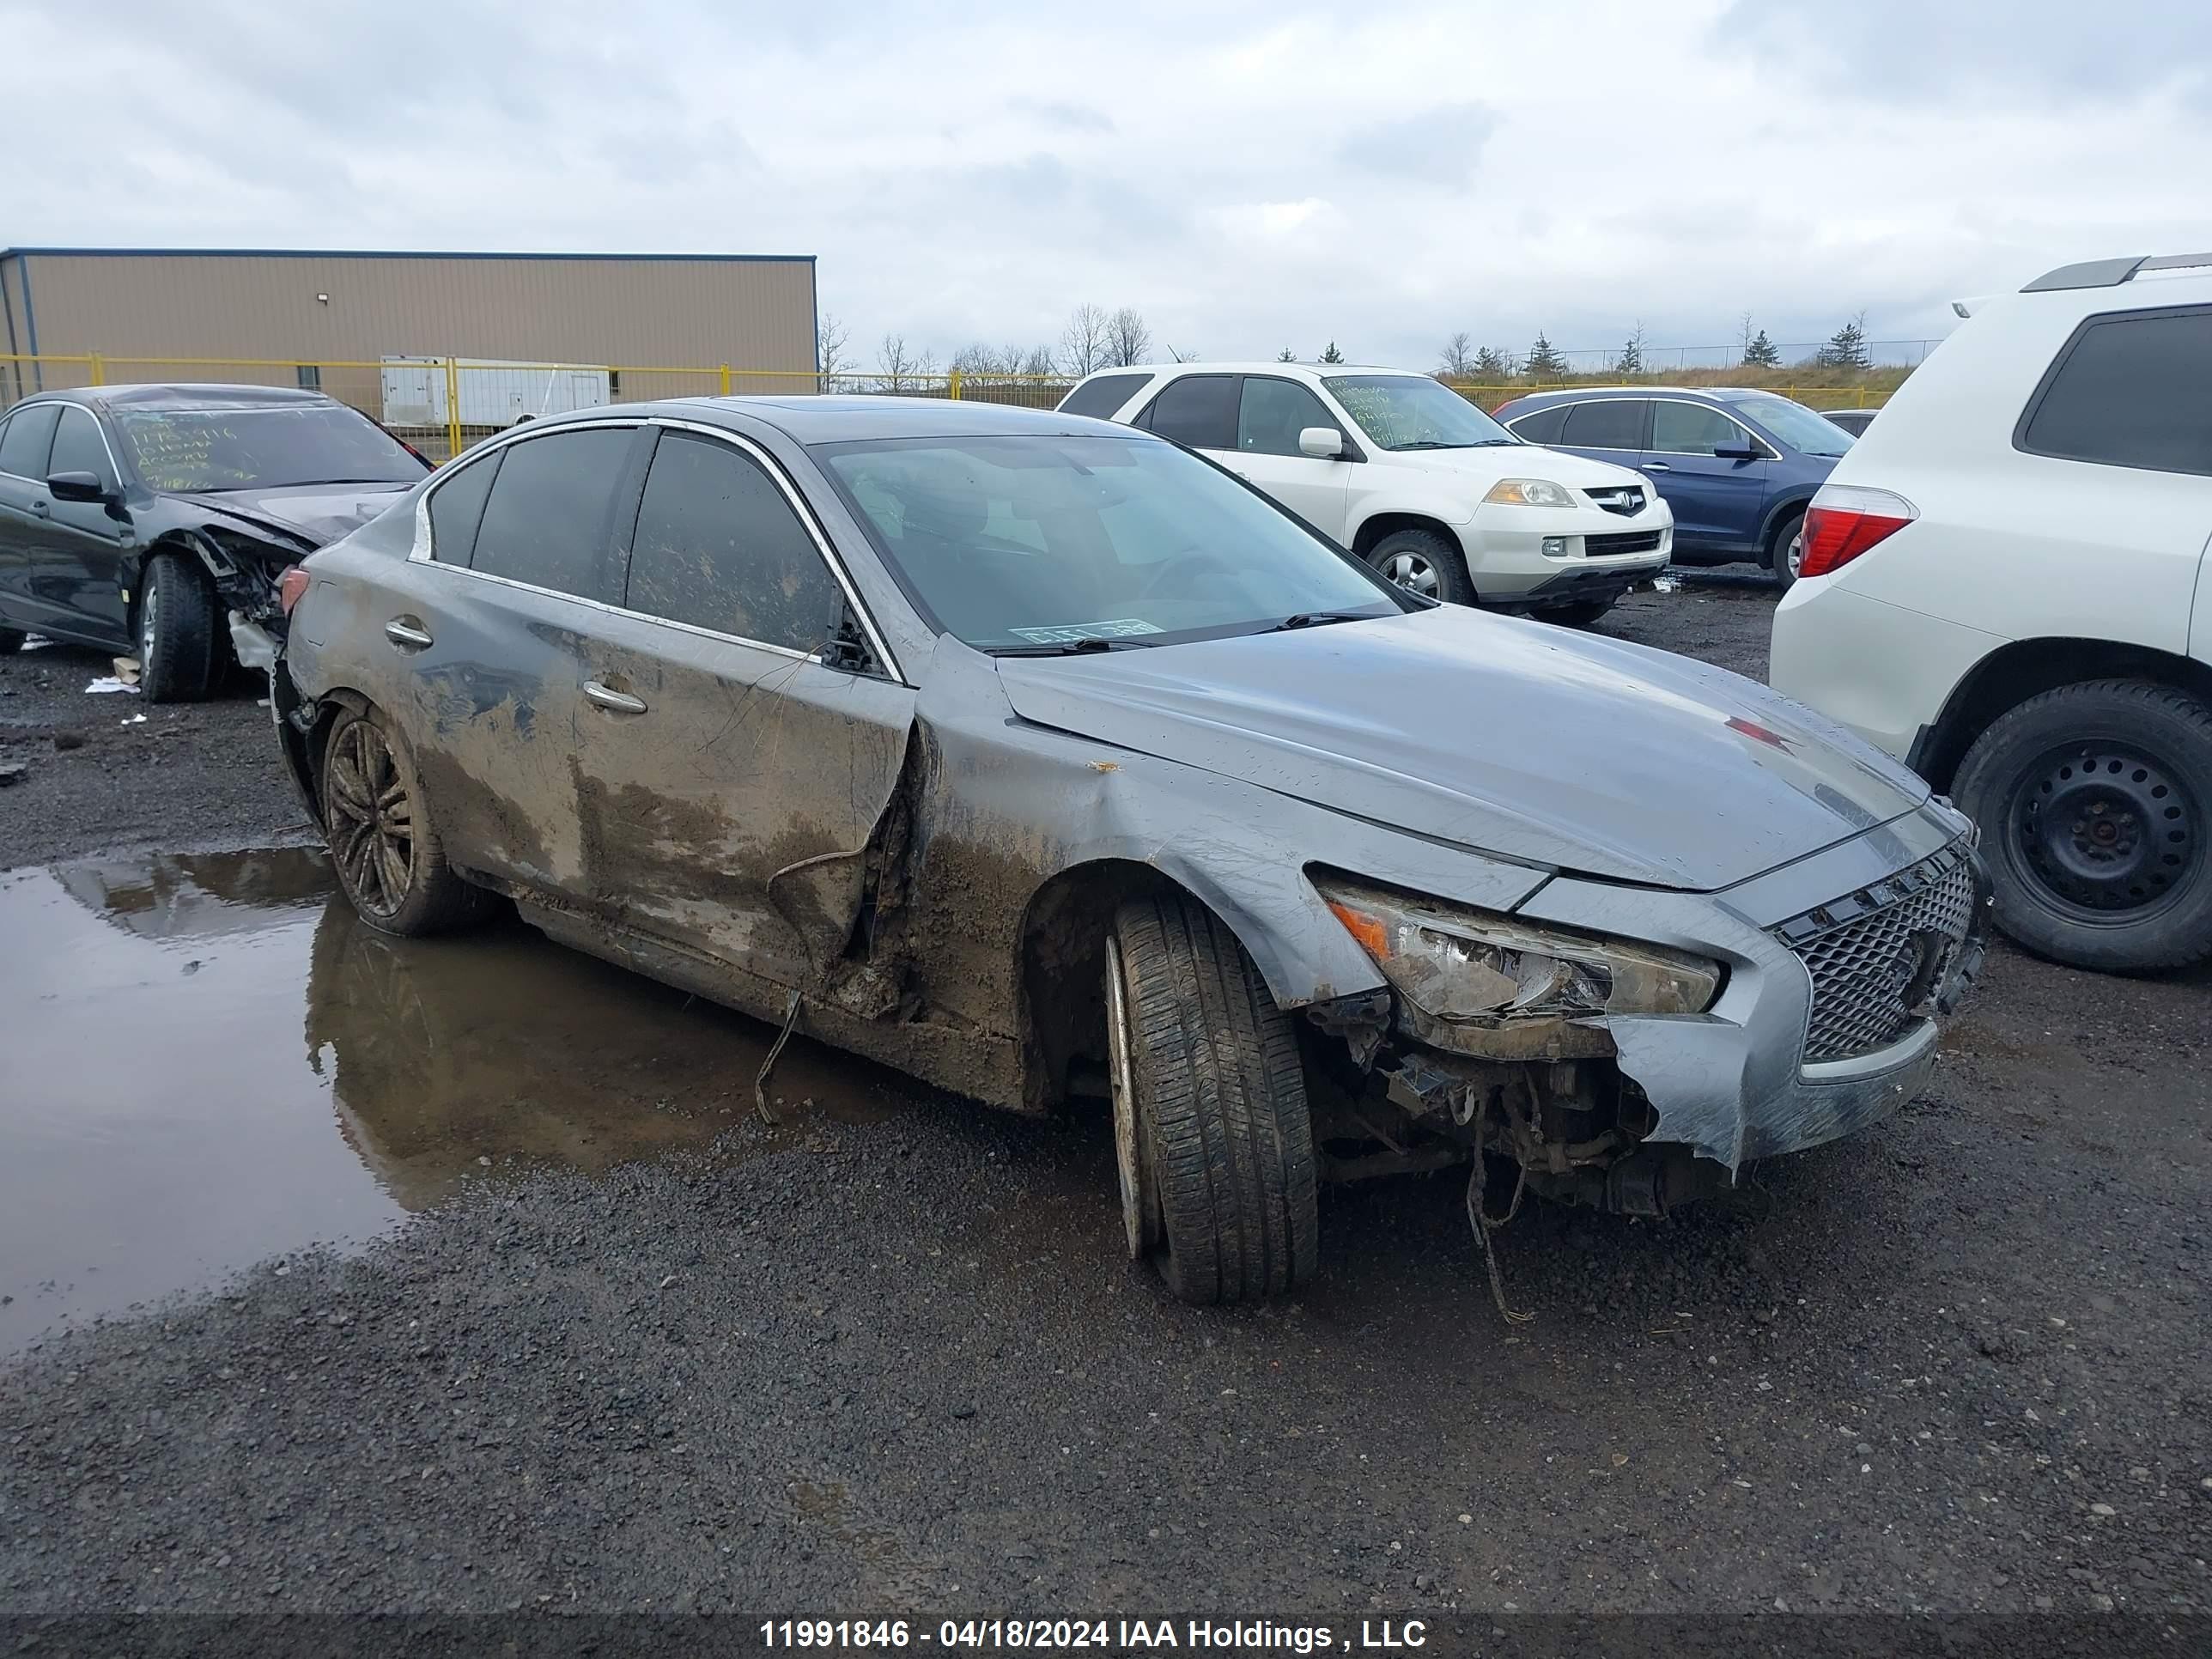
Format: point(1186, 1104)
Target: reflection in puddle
point(208, 1060)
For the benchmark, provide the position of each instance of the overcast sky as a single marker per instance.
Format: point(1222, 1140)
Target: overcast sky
point(1248, 175)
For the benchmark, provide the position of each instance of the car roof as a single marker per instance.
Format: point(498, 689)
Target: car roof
point(811, 418)
point(1718, 394)
point(1270, 366)
point(181, 397)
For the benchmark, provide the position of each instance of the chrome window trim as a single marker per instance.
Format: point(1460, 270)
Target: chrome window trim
point(423, 553)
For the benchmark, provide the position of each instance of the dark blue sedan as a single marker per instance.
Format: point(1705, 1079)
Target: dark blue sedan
point(1736, 465)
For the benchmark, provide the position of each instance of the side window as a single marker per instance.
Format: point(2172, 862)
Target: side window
point(30, 437)
point(2131, 390)
point(457, 508)
point(1690, 429)
point(546, 522)
point(1102, 396)
point(1198, 410)
point(78, 447)
point(1542, 427)
point(719, 546)
point(1274, 412)
point(1614, 423)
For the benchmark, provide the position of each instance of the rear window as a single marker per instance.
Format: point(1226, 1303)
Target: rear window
point(456, 507)
point(1542, 427)
point(1102, 396)
point(546, 522)
point(1199, 410)
point(2133, 389)
point(1615, 424)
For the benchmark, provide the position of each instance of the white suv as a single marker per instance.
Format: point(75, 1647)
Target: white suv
point(1410, 475)
point(2001, 583)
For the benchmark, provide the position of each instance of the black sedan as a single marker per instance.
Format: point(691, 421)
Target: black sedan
point(134, 518)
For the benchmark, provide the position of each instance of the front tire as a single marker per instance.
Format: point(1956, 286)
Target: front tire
point(1422, 561)
point(383, 843)
point(1212, 1132)
point(176, 629)
point(2092, 800)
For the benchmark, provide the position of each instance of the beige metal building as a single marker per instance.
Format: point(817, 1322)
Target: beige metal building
point(659, 325)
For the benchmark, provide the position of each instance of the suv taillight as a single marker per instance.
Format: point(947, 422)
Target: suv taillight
point(1846, 520)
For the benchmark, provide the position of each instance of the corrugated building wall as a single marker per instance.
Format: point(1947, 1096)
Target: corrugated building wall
point(634, 313)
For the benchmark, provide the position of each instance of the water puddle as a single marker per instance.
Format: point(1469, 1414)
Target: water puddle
point(206, 1060)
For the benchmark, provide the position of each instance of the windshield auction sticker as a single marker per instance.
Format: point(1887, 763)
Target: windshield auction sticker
point(1069, 633)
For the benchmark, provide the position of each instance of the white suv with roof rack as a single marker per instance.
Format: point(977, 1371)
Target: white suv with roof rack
point(1409, 476)
point(2002, 583)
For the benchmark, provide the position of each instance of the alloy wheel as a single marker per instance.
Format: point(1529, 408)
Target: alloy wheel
point(1411, 571)
point(1795, 558)
point(371, 820)
point(2106, 832)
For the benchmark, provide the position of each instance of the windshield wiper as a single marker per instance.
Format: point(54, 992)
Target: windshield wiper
point(1298, 619)
point(1070, 648)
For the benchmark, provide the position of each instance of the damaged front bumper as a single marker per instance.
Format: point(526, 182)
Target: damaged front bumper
point(1642, 1110)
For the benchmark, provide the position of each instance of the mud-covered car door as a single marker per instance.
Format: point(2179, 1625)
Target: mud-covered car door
point(729, 777)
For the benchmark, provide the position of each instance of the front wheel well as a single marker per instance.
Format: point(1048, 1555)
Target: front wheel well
point(1389, 524)
point(2013, 673)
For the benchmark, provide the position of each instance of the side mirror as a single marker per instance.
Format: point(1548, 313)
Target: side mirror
point(1739, 451)
point(77, 487)
point(1323, 443)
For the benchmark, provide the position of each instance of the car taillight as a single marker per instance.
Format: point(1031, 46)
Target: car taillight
point(291, 587)
point(1846, 520)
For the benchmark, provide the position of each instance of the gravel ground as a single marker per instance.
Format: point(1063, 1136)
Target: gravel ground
point(1957, 1364)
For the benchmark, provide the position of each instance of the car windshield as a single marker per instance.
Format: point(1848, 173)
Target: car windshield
point(1062, 542)
point(1411, 411)
point(1804, 431)
point(218, 449)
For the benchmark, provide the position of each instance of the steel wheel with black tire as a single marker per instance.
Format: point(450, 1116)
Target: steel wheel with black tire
point(1575, 616)
point(1212, 1133)
point(1422, 561)
point(11, 641)
point(389, 859)
point(176, 629)
point(2092, 801)
point(1785, 550)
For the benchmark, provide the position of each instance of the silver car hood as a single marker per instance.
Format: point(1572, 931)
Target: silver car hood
point(1568, 751)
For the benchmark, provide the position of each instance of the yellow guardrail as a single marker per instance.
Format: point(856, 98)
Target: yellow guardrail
point(470, 387)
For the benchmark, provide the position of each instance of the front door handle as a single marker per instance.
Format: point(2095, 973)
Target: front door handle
point(406, 635)
point(614, 702)
point(1657, 466)
point(42, 509)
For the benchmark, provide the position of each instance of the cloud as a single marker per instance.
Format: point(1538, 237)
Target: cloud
point(1245, 173)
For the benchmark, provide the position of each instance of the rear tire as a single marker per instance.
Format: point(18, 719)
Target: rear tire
point(2093, 803)
point(176, 631)
point(11, 641)
point(1213, 1131)
point(1577, 616)
point(383, 839)
point(1422, 561)
point(1784, 548)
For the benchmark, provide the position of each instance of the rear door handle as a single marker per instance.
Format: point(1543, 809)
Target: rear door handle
point(617, 702)
point(406, 635)
point(1657, 466)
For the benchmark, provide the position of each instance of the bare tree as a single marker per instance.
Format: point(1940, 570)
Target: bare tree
point(1456, 361)
point(1083, 343)
point(1127, 339)
point(1037, 363)
point(898, 366)
point(831, 336)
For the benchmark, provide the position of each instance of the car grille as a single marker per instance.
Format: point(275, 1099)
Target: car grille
point(1634, 541)
point(1880, 956)
point(1627, 500)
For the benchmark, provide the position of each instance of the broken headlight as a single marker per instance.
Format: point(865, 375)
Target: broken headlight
point(1457, 964)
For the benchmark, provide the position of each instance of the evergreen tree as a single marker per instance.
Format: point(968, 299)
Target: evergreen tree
point(1846, 347)
point(1759, 352)
point(1631, 357)
point(1543, 363)
point(1491, 366)
point(1332, 355)
point(1287, 356)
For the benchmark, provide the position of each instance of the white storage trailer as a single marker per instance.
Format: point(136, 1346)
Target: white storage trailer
point(492, 393)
